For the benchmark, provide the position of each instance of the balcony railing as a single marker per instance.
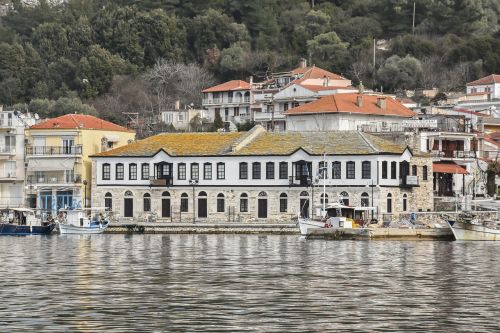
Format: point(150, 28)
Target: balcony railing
point(53, 150)
point(6, 123)
point(8, 150)
point(163, 181)
point(45, 179)
point(8, 175)
point(454, 154)
point(268, 116)
point(229, 100)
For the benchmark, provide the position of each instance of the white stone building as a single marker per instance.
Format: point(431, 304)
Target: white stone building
point(12, 136)
point(347, 112)
point(488, 85)
point(258, 175)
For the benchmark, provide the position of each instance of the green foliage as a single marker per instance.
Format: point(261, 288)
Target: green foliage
point(64, 105)
point(397, 72)
point(218, 123)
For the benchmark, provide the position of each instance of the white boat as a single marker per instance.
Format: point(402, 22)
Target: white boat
point(79, 221)
point(469, 227)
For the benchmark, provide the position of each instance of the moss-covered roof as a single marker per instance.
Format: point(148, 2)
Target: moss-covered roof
point(210, 144)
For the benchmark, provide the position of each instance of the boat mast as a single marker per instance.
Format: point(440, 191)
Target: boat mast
point(323, 172)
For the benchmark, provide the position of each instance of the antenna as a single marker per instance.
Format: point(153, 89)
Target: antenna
point(413, 24)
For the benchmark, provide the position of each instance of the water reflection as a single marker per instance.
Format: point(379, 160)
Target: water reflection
point(204, 283)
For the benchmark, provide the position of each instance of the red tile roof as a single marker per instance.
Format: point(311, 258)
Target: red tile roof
point(467, 111)
point(448, 167)
point(229, 86)
point(79, 121)
point(495, 135)
point(314, 73)
point(493, 78)
point(348, 103)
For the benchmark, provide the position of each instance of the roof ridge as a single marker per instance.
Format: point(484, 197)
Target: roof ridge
point(368, 142)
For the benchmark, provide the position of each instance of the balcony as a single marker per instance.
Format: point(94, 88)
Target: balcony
point(53, 150)
point(6, 123)
point(52, 180)
point(8, 150)
point(268, 116)
point(163, 181)
point(454, 154)
point(226, 101)
point(8, 175)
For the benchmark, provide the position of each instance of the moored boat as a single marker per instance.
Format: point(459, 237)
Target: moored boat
point(469, 227)
point(81, 221)
point(23, 221)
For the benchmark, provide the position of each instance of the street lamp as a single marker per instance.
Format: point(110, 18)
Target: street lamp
point(194, 182)
point(85, 194)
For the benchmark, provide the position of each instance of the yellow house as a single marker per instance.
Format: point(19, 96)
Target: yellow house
point(58, 167)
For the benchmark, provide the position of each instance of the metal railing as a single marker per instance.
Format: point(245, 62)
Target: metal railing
point(8, 150)
point(8, 174)
point(54, 150)
point(45, 179)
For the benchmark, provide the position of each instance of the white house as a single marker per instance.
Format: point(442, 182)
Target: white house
point(256, 175)
point(347, 112)
point(488, 86)
point(12, 137)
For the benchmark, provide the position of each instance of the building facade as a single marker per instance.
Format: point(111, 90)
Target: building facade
point(58, 167)
point(12, 177)
point(258, 175)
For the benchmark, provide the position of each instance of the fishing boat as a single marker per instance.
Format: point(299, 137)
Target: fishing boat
point(82, 221)
point(467, 226)
point(24, 221)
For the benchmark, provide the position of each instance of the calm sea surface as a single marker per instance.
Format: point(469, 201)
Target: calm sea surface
point(214, 283)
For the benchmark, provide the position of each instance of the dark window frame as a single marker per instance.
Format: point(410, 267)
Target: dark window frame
point(193, 167)
point(384, 169)
point(119, 174)
point(106, 171)
point(221, 170)
point(221, 203)
point(146, 202)
point(181, 171)
point(366, 170)
point(132, 171)
point(350, 170)
point(425, 175)
point(144, 167)
point(270, 170)
point(394, 170)
point(243, 170)
point(283, 170)
point(184, 207)
point(337, 170)
point(207, 171)
point(256, 170)
point(283, 203)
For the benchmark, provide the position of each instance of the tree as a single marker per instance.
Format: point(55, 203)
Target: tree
point(218, 123)
point(327, 49)
point(396, 72)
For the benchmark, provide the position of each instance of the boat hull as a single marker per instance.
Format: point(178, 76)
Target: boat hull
point(72, 229)
point(305, 225)
point(468, 231)
point(21, 230)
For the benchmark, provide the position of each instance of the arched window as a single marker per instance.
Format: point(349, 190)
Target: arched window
point(365, 200)
point(262, 194)
point(202, 194)
point(146, 202)
point(405, 202)
point(324, 198)
point(128, 194)
point(283, 203)
point(244, 203)
point(389, 203)
point(220, 203)
point(304, 194)
point(344, 198)
point(184, 202)
point(108, 201)
point(165, 194)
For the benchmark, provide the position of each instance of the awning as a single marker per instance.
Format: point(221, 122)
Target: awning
point(50, 164)
point(448, 168)
point(111, 137)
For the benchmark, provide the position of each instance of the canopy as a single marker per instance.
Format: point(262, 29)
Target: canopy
point(449, 167)
point(50, 164)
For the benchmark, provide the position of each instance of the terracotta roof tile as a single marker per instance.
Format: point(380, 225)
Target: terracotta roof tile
point(229, 86)
point(322, 88)
point(448, 167)
point(348, 103)
point(493, 78)
point(314, 72)
point(79, 121)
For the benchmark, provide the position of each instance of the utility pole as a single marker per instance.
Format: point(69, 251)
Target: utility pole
point(374, 50)
point(413, 25)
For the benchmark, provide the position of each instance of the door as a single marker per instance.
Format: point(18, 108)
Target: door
point(262, 208)
point(165, 207)
point(304, 208)
point(129, 207)
point(202, 207)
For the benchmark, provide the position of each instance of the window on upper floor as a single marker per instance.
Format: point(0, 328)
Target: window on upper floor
point(132, 171)
point(336, 170)
point(207, 171)
point(414, 170)
point(424, 172)
point(384, 169)
point(195, 171)
point(181, 171)
point(270, 170)
point(323, 170)
point(119, 171)
point(366, 170)
point(106, 171)
point(283, 170)
point(145, 171)
point(256, 170)
point(221, 170)
point(350, 170)
point(394, 170)
point(243, 170)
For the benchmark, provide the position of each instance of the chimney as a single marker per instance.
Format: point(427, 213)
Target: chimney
point(381, 102)
point(177, 105)
point(359, 101)
point(325, 81)
point(303, 63)
point(361, 88)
